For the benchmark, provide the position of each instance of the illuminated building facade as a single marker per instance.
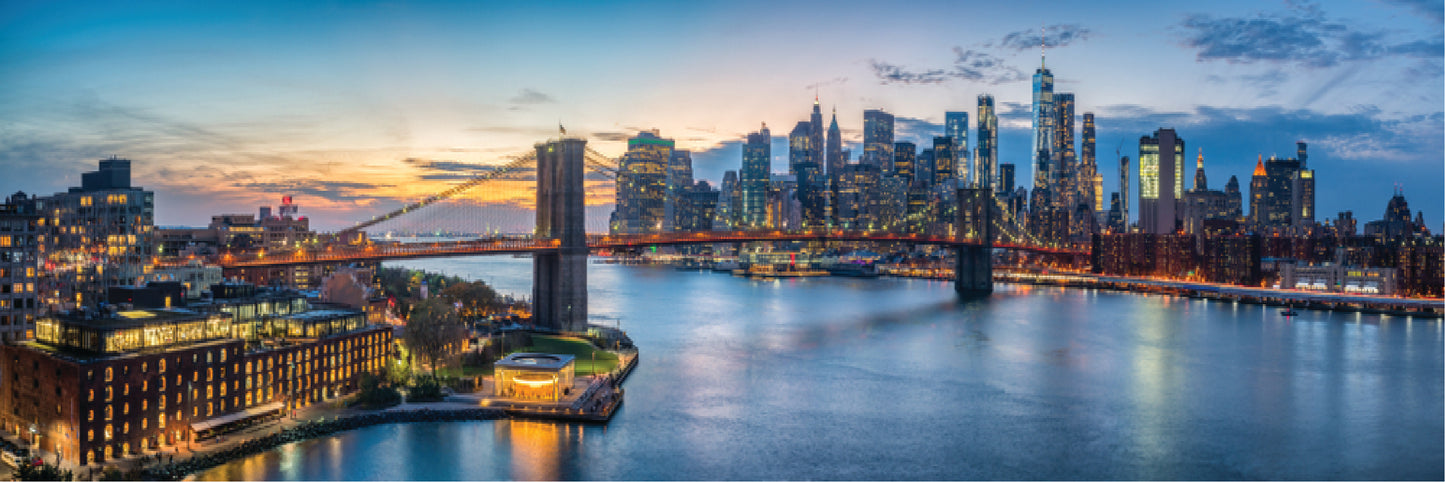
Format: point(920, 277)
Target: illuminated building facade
point(985, 164)
point(946, 161)
point(905, 160)
point(92, 388)
point(97, 235)
point(753, 179)
point(20, 265)
point(679, 181)
point(1161, 175)
point(642, 185)
point(534, 376)
point(1044, 117)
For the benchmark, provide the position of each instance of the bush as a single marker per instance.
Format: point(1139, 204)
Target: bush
point(373, 395)
point(426, 389)
point(42, 472)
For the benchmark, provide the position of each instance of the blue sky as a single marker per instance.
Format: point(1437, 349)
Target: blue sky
point(357, 107)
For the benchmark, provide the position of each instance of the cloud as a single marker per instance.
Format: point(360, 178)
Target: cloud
point(1431, 9)
point(339, 191)
point(1058, 35)
point(969, 65)
point(531, 97)
point(1302, 36)
point(825, 83)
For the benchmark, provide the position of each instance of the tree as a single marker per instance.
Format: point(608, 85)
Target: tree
point(476, 297)
point(42, 472)
point(433, 330)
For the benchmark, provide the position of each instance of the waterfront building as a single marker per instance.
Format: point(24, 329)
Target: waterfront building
point(21, 236)
point(98, 235)
point(94, 387)
point(878, 140)
point(986, 165)
point(1161, 175)
point(955, 126)
point(534, 376)
point(1338, 278)
point(642, 174)
point(1232, 259)
point(754, 177)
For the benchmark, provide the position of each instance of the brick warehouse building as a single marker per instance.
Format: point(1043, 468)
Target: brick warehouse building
point(94, 388)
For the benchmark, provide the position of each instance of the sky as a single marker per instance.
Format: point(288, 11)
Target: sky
point(355, 108)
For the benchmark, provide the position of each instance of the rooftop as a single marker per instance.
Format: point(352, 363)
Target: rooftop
point(535, 361)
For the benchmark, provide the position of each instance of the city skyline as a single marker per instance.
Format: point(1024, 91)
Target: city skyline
point(355, 111)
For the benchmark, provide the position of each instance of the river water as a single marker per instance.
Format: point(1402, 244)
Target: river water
point(835, 378)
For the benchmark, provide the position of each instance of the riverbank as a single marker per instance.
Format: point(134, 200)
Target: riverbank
point(225, 451)
point(1428, 308)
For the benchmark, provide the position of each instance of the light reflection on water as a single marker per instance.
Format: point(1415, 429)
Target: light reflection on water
point(894, 379)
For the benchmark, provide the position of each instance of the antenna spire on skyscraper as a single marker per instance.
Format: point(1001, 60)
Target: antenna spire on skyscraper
point(1043, 46)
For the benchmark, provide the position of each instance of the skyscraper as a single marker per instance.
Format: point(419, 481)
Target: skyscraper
point(1258, 193)
point(955, 125)
point(642, 184)
point(1161, 172)
point(1091, 182)
point(756, 172)
point(1006, 177)
point(945, 160)
point(1064, 176)
point(729, 203)
point(1200, 182)
point(815, 137)
point(878, 140)
point(679, 181)
point(834, 149)
point(101, 234)
point(806, 169)
point(986, 160)
point(1124, 192)
point(1043, 118)
point(905, 160)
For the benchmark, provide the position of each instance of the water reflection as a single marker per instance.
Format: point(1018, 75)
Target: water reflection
point(895, 379)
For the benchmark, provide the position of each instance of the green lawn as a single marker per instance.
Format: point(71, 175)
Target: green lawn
point(464, 371)
point(581, 349)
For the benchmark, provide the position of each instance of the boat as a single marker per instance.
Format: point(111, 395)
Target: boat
point(764, 270)
point(1288, 312)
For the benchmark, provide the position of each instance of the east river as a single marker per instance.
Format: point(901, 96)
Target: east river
point(836, 378)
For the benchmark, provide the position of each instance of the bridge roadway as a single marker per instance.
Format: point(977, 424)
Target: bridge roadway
point(527, 245)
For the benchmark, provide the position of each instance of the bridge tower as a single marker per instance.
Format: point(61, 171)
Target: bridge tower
point(973, 271)
point(559, 278)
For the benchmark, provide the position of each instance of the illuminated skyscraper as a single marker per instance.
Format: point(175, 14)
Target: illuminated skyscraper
point(878, 140)
point(642, 184)
point(1064, 175)
point(816, 139)
point(1258, 194)
point(905, 160)
point(756, 172)
point(955, 126)
point(986, 160)
point(945, 160)
point(1161, 175)
point(1200, 182)
point(1090, 180)
point(1043, 118)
